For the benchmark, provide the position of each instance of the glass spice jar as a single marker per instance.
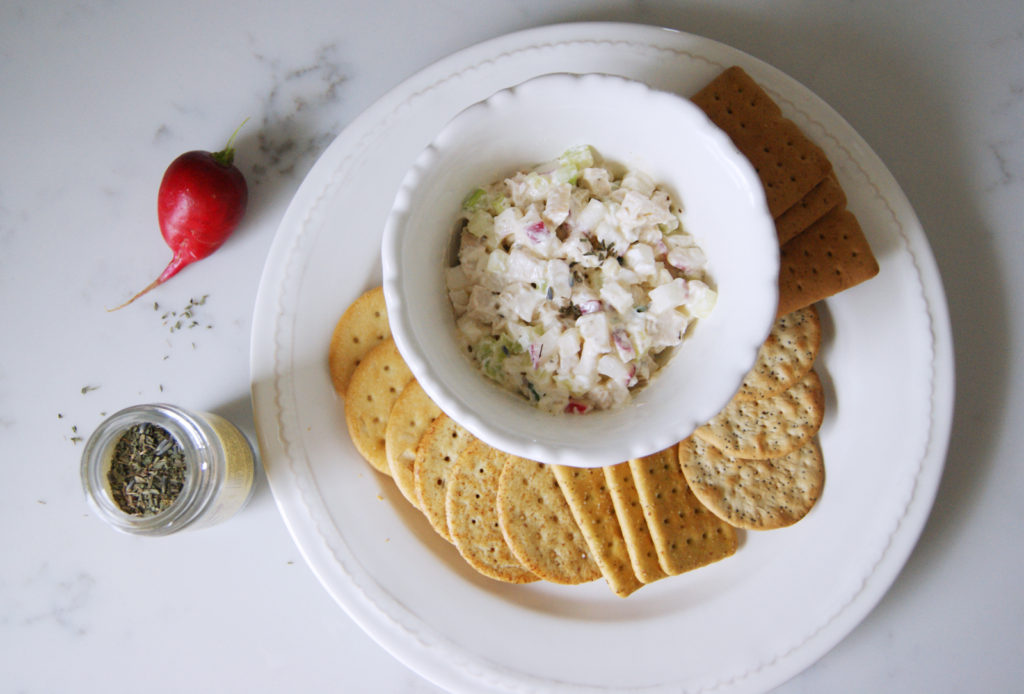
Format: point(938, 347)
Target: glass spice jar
point(156, 469)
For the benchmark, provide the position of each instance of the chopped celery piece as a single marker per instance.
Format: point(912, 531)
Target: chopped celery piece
point(572, 162)
point(566, 173)
point(499, 204)
point(491, 353)
point(581, 157)
point(474, 199)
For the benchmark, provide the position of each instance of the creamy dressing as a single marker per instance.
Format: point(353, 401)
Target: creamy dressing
point(571, 281)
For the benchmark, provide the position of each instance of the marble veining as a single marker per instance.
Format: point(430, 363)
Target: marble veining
point(65, 603)
point(296, 121)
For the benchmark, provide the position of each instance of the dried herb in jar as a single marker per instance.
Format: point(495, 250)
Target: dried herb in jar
point(147, 470)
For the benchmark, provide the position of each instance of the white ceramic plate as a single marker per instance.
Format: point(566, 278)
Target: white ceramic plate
point(743, 625)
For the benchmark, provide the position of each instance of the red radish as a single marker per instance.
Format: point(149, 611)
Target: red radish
point(202, 199)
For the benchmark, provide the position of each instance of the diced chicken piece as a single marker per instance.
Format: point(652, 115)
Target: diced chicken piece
point(617, 296)
point(528, 189)
point(521, 301)
point(640, 259)
point(593, 328)
point(614, 270)
point(556, 206)
point(638, 211)
point(585, 376)
point(471, 330)
point(506, 223)
point(597, 180)
point(483, 304)
point(559, 280)
point(569, 343)
point(638, 181)
point(669, 296)
point(666, 329)
point(526, 267)
point(688, 259)
point(591, 216)
point(702, 299)
point(614, 368)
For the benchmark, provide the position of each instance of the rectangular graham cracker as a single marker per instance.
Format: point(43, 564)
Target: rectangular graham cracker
point(831, 256)
point(788, 163)
point(822, 199)
point(586, 491)
point(639, 544)
point(686, 535)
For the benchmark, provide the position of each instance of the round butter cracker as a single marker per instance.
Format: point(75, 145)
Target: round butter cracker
point(438, 450)
point(538, 524)
point(768, 427)
point(470, 508)
point(371, 393)
point(786, 356)
point(412, 413)
point(362, 326)
point(756, 494)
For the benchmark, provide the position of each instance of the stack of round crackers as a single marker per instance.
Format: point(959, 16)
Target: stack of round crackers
point(757, 465)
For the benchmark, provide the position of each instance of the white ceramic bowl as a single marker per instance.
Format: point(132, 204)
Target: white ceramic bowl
point(627, 122)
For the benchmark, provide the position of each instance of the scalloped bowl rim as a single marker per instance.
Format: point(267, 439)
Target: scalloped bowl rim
point(631, 124)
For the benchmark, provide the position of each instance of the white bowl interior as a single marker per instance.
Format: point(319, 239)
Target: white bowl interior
point(628, 123)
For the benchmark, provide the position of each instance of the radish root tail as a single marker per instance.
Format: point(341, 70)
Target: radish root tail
point(152, 284)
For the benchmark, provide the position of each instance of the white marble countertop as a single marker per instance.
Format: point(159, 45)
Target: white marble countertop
point(99, 96)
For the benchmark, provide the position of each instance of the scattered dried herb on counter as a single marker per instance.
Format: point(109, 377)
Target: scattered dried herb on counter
point(177, 321)
point(186, 318)
point(147, 470)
